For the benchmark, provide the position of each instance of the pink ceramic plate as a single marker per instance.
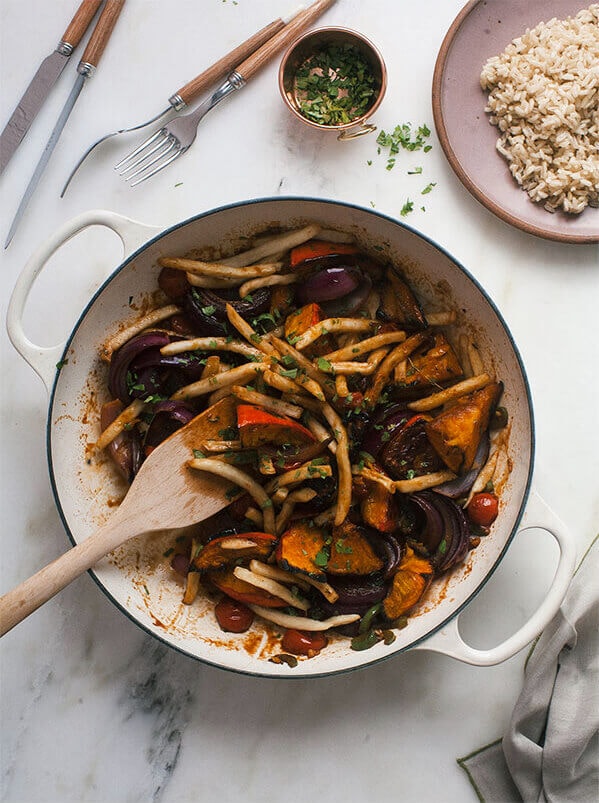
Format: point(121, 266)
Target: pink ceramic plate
point(483, 29)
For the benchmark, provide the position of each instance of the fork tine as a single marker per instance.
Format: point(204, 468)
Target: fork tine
point(159, 167)
point(139, 149)
point(159, 148)
point(159, 157)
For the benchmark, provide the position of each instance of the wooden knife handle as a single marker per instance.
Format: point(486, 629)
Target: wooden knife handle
point(263, 55)
point(80, 22)
point(101, 34)
point(223, 67)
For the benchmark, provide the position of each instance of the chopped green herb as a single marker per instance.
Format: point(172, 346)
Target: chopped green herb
point(199, 455)
point(323, 365)
point(428, 188)
point(335, 85)
point(321, 558)
point(407, 208)
point(366, 640)
point(402, 136)
point(209, 310)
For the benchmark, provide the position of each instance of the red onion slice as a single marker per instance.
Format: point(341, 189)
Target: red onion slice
point(123, 357)
point(328, 284)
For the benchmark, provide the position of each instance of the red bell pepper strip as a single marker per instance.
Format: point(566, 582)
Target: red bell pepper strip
point(315, 249)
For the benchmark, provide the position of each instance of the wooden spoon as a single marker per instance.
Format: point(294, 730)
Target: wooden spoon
point(165, 494)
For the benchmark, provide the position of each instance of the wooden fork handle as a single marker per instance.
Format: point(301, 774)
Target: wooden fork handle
point(264, 54)
point(29, 595)
point(223, 67)
point(80, 22)
point(102, 32)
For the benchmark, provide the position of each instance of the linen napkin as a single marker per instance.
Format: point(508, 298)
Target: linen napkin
point(550, 753)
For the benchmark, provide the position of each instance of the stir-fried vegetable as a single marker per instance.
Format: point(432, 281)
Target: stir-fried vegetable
point(367, 451)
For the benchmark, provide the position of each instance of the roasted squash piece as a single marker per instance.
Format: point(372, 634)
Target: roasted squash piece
point(456, 432)
point(399, 304)
point(257, 427)
point(303, 549)
point(300, 321)
point(242, 591)
point(226, 549)
point(281, 300)
point(408, 585)
point(378, 509)
point(352, 552)
point(433, 365)
point(409, 451)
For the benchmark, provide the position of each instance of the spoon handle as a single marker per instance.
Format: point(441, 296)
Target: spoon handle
point(275, 44)
point(29, 595)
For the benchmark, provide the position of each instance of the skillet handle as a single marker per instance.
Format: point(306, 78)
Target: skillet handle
point(44, 359)
point(449, 641)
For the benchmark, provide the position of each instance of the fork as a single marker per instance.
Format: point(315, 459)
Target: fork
point(176, 137)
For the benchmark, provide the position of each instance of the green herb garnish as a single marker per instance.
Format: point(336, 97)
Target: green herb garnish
point(335, 85)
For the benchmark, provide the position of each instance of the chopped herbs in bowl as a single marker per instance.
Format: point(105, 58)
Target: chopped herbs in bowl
point(333, 78)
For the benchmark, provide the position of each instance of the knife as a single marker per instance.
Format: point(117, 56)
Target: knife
point(86, 67)
point(43, 81)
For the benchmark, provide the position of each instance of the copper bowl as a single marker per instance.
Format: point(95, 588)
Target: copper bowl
point(316, 41)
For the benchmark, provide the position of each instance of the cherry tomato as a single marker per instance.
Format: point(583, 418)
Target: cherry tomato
point(483, 509)
point(299, 642)
point(233, 616)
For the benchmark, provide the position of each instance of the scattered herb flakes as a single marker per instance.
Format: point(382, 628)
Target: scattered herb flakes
point(402, 136)
point(61, 364)
point(335, 85)
point(407, 208)
point(429, 188)
point(415, 172)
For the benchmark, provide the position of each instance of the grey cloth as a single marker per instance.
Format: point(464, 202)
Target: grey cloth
point(550, 753)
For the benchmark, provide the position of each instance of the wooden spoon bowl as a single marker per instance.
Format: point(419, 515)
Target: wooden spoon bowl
point(164, 495)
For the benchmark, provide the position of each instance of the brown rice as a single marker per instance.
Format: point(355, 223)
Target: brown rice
point(544, 98)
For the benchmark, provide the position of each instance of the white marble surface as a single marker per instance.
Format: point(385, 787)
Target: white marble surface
point(93, 709)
